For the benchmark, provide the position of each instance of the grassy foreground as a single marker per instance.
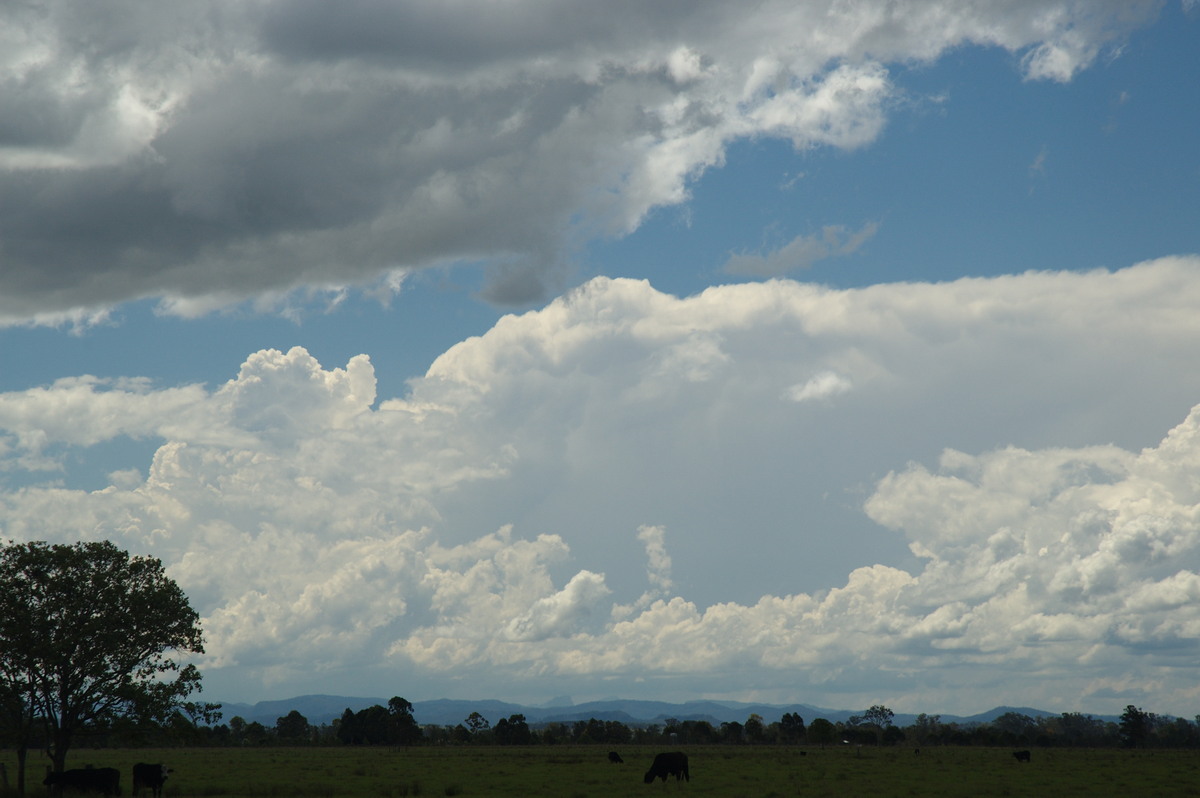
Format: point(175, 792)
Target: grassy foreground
point(584, 771)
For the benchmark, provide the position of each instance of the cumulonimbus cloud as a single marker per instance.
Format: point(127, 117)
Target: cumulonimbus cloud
point(506, 522)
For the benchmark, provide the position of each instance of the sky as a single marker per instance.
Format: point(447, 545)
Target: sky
point(825, 352)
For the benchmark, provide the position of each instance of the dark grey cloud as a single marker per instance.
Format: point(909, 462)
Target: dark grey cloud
point(209, 152)
point(448, 37)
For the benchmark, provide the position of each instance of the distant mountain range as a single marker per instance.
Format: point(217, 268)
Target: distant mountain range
point(320, 709)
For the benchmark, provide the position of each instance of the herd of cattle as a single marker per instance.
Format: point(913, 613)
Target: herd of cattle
point(107, 781)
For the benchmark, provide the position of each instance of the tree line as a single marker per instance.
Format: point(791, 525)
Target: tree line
point(394, 725)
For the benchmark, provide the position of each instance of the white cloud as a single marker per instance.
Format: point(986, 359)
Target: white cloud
point(560, 614)
point(207, 153)
point(823, 385)
point(477, 532)
point(658, 566)
point(83, 411)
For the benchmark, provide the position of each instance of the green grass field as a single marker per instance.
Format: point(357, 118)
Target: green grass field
point(584, 771)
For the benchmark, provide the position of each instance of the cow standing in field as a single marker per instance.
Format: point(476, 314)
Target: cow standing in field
point(672, 764)
point(615, 759)
point(106, 781)
point(1022, 756)
point(151, 776)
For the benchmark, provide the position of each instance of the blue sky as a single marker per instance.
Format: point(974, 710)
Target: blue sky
point(496, 357)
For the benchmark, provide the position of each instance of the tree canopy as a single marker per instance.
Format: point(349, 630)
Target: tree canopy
point(377, 725)
point(879, 715)
point(821, 732)
point(1136, 725)
point(89, 635)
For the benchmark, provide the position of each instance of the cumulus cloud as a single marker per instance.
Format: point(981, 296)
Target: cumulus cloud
point(207, 153)
point(477, 531)
point(559, 614)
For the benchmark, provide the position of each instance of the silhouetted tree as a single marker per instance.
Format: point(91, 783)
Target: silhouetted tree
point(477, 723)
point(257, 734)
point(292, 728)
point(879, 715)
point(1074, 728)
point(347, 728)
point(821, 732)
point(731, 732)
point(592, 732)
point(697, 732)
point(1135, 727)
point(87, 635)
point(1014, 727)
point(555, 733)
point(791, 727)
point(237, 730)
point(402, 726)
point(512, 731)
point(925, 728)
point(646, 735)
point(1179, 733)
point(18, 725)
point(868, 727)
point(754, 729)
point(374, 725)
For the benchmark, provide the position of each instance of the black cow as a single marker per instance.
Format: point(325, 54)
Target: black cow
point(151, 776)
point(106, 781)
point(615, 758)
point(1022, 756)
point(672, 764)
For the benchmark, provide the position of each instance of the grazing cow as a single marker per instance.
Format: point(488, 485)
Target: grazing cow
point(615, 759)
point(151, 776)
point(1022, 756)
point(106, 781)
point(672, 764)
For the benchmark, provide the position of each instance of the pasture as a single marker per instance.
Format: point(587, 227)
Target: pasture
point(584, 772)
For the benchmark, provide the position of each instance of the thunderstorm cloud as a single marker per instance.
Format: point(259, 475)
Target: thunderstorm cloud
point(565, 496)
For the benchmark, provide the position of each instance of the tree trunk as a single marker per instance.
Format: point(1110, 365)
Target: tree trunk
point(62, 743)
point(21, 752)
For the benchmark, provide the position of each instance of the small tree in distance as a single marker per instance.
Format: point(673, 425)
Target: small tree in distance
point(477, 724)
point(791, 726)
point(293, 728)
point(879, 715)
point(402, 726)
point(87, 634)
point(1135, 726)
point(821, 731)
